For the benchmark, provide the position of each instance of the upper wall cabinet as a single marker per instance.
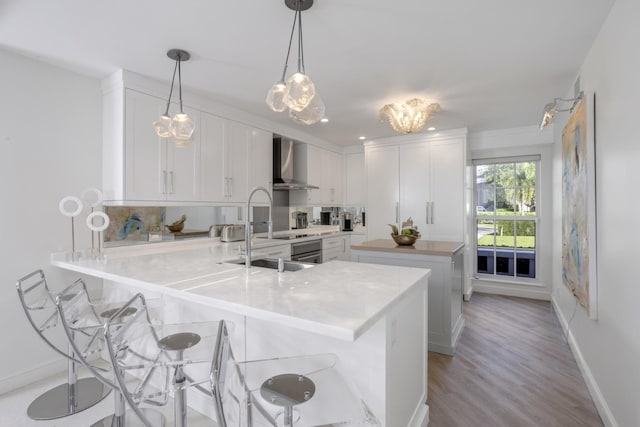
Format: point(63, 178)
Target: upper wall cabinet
point(354, 180)
point(137, 164)
point(235, 158)
point(221, 164)
point(319, 167)
point(423, 180)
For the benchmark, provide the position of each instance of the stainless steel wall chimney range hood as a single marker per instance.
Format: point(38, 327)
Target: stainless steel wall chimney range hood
point(283, 176)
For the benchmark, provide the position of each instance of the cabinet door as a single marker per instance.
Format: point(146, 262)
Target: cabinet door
point(414, 185)
point(335, 178)
point(315, 161)
point(260, 145)
point(182, 166)
point(355, 188)
point(144, 177)
point(382, 171)
point(213, 135)
point(236, 165)
point(447, 190)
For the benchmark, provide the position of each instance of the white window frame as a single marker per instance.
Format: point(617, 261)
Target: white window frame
point(536, 218)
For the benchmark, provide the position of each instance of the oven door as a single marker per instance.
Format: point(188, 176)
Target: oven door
point(311, 257)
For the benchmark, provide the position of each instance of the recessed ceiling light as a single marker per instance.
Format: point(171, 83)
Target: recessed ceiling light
point(324, 120)
point(362, 137)
point(431, 128)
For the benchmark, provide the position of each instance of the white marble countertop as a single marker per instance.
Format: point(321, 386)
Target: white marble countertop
point(420, 247)
point(338, 299)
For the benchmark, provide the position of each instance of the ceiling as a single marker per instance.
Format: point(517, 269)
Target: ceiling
point(491, 64)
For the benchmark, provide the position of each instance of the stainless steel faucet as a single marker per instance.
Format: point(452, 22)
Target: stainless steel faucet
point(247, 228)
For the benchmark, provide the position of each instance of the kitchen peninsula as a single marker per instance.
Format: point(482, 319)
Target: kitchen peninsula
point(374, 317)
point(445, 260)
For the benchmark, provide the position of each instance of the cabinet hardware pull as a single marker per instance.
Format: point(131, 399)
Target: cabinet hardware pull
point(164, 184)
point(231, 187)
point(171, 180)
point(432, 203)
point(426, 212)
point(397, 213)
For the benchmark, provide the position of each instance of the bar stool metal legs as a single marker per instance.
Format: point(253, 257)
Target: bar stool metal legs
point(77, 394)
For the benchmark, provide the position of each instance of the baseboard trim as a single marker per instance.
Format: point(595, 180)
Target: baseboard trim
point(596, 394)
point(421, 417)
point(533, 293)
point(31, 376)
point(466, 296)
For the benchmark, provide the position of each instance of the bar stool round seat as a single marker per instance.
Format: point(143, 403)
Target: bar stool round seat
point(179, 341)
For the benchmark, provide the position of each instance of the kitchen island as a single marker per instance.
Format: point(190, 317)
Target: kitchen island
point(445, 260)
point(366, 314)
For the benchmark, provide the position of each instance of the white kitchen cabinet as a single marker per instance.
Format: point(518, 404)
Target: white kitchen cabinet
point(213, 134)
point(355, 189)
point(319, 167)
point(222, 162)
point(338, 247)
point(383, 189)
point(236, 157)
point(334, 180)
point(446, 262)
point(423, 180)
point(137, 164)
point(260, 147)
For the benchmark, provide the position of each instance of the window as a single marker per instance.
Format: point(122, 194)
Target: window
point(506, 217)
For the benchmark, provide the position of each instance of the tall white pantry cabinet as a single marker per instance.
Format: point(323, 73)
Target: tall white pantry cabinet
point(419, 177)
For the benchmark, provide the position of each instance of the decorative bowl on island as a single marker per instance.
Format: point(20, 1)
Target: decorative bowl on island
point(404, 239)
point(174, 228)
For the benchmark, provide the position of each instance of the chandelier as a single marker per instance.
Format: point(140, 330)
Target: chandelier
point(410, 116)
point(298, 92)
point(179, 128)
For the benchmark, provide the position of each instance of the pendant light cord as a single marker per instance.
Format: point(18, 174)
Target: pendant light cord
point(300, 47)
point(286, 61)
point(166, 113)
point(180, 83)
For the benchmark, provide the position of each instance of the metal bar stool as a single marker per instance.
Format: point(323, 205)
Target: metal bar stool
point(286, 391)
point(83, 322)
point(151, 359)
point(76, 394)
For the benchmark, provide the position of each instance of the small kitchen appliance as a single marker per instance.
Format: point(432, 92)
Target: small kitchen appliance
point(300, 218)
point(232, 233)
point(325, 218)
point(346, 221)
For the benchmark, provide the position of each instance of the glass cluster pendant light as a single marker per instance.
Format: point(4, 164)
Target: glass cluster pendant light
point(180, 128)
point(298, 93)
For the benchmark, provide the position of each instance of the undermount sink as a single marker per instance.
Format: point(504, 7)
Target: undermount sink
point(273, 263)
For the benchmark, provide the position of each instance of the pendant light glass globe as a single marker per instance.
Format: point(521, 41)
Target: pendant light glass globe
point(310, 115)
point(275, 97)
point(300, 91)
point(182, 126)
point(180, 142)
point(163, 126)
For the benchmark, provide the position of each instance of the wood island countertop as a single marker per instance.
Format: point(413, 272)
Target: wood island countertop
point(420, 247)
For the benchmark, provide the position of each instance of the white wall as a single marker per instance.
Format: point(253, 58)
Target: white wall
point(609, 348)
point(521, 141)
point(50, 136)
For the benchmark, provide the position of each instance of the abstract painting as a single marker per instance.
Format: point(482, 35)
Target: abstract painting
point(578, 206)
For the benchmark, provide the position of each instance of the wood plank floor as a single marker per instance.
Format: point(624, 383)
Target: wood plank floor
point(512, 368)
